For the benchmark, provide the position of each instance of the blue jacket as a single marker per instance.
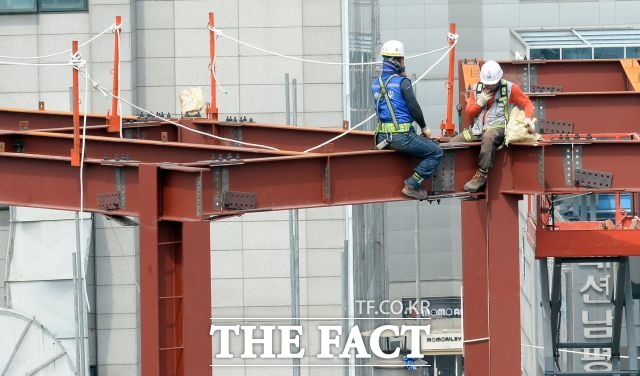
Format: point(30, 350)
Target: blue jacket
point(395, 97)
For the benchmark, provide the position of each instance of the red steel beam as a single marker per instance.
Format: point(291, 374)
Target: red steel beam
point(587, 243)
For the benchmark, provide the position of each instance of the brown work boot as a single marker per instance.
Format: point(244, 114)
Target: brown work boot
point(419, 194)
point(476, 183)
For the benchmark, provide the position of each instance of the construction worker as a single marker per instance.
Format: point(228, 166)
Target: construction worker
point(397, 108)
point(488, 107)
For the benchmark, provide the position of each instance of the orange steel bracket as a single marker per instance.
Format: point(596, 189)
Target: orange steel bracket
point(446, 127)
point(75, 152)
point(114, 117)
point(632, 69)
point(212, 108)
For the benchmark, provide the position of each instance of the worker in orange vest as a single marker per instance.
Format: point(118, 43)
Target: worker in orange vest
point(488, 107)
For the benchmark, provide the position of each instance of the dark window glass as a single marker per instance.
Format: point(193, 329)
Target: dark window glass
point(17, 6)
point(576, 53)
point(545, 53)
point(633, 52)
point(608, 53)
point(62, 5)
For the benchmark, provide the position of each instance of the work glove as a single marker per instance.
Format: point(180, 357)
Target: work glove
point(482, 98)
point(530, 124)
point(426, 132)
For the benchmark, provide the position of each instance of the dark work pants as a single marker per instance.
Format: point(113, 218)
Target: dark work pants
point(491, 140)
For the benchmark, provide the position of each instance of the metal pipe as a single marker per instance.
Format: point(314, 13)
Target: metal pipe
point(294, 267)
point(76, 311)
point(294, 119)
point(114, 116)
point(80, 296)
point(212, 110)
point(287, 100)
point(75, 152)
point(350, 281)
point(416, 234)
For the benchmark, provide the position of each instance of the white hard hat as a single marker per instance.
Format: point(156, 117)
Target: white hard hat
point(490, 73)
point(392, 48)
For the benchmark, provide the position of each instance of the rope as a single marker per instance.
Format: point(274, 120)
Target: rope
point(222, 34)
point(454, 37)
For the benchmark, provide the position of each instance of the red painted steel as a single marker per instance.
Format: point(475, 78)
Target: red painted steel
point(447, 127)
point(212, 108)
point(75, 151)
point(587, 243)
point(114, 116)
point(475, 284)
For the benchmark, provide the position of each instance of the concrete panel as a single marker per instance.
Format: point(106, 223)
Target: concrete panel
point(155, 15)
point(117, 321)
point(413, 39)
point(388, 17)
point(270, 13)
point(580, 13)
point(322, 97)
point(226, 264)
point(277, 215)
point(321, 12)
point(155, 43)
point(195, 14)
point(436, 15)
point(67, 23)
point(116, 270)
point(256, 99)
point(402, 268)
point(158, 99)
point(21, 45)
point(323, 119)
point(329, 212)
point(387, 34)
point(226, 235)
point(19, 79)
point(192, 71)
point(156, 72)
point(431, 92)
point(102, 48)
point(268, 69)
point(116, 299)
point(226, 47)
point(434, 114)
point(500, 15)
point(318, 234)
point(267, 292)
point(101, 73)
point(607, 13)
point(539, 14)
point(104, 15)
point(18, 24)
point(277, 260)
point(269, 312)
point(118, 369)
point(468, 14)
point(322, 40)
point(227, 70)
point(402, 242)
point(627, 12)
point(271, 40)
point(23, 100)
point(328, 311)
point(191, 43)
point(115, 241)
point(56, 100)
point(230, 312)
point(324, 291)
point(253, 238)
point(436, 265)
point(324, 263)
point(227, 293)
point(410, 16)
point(118, 346)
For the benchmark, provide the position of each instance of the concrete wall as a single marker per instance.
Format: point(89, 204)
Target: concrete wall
point(4, 243)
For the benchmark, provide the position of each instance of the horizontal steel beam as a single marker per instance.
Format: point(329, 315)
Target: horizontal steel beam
point(587, 243)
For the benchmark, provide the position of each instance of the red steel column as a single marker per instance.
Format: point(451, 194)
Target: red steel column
point(196, 293)
point(475, 288)
point(149, 317)
point(491, 281)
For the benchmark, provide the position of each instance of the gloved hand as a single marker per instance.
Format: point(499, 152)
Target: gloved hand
point(530, 124)
point(483, 98)
point(426, 132)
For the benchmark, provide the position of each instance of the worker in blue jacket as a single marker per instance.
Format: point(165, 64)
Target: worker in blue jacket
point(397, 108)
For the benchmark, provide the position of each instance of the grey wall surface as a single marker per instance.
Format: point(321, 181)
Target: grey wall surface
point(4, 244)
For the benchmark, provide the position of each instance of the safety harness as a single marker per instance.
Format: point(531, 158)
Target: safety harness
point(503, 98)
point(388, 127)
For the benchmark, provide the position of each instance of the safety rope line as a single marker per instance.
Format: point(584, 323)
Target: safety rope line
point(110, 28)
point(219, 32)
point(454, 37)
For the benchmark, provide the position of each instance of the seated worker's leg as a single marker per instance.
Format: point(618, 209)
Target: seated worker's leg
point(492, 139)
point(465, 136)
point(430, 154)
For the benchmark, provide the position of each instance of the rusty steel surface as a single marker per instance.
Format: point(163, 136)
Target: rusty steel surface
point(587, 243)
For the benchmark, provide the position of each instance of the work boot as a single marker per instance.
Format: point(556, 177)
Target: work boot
point(419, 194)
point(476, 183)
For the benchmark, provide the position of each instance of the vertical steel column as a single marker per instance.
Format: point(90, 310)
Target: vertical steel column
point(475, 288)
point(149, 316)
point(632, 345)
point(548, 332)
point(196, 285)
point(114, 116)
point(75, 152)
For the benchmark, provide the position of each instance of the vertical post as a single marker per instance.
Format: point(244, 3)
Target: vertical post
point(416, 235)
point(114, 117)
point(447, 127)
point(619, 216)
point(212, 108)
point(287, 101)
point(196, 291)
point(294, 95)
point(149, 292)
point(75, 152)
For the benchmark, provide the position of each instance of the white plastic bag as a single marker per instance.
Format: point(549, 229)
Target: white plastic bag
point(517, 131)
point(191, 101)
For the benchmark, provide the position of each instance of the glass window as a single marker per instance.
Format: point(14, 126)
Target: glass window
point(17, 6)
point(576, 53)
point(61, 5)
point(633, 52)
point(608, 53)
point(545, 53)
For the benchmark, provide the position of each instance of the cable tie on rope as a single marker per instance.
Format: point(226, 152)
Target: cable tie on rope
point(116, 28)
point(77, 61)
point(218, 32)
